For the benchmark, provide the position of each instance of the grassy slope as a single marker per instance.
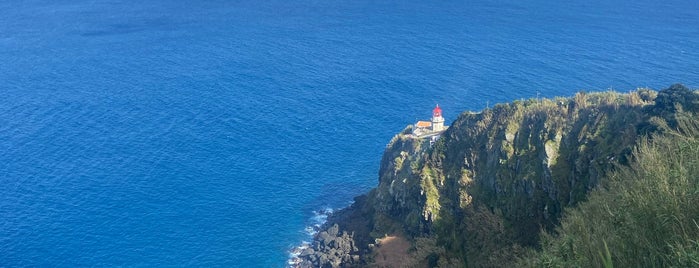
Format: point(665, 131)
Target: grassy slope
point(645, 215)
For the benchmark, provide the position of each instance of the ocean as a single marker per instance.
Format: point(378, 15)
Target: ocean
point(211, 133)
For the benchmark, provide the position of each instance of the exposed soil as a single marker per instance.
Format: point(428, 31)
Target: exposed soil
point(392, 251)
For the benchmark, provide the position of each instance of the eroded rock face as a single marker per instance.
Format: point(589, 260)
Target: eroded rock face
point(528, 160)
point(501, 175)
point(397, 194)
point(331, 248)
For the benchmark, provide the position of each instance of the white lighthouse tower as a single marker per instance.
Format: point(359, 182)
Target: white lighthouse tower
point(437, 119)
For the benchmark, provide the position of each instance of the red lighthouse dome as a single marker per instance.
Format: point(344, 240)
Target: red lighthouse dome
point(437, 112)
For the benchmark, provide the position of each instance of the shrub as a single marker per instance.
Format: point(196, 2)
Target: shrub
point(646, 216)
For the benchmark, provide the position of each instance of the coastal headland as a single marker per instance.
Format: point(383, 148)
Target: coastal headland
point(583, 181)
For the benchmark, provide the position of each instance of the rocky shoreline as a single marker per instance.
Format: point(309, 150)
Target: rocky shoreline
point(330, 248)
point(343, 241)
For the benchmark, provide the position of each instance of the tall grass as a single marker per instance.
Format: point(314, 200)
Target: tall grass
point(647, 215)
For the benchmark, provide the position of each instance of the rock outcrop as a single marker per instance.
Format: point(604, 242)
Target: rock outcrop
point(484, 191)
point(331, 249)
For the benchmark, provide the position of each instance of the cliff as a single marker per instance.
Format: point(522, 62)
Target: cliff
point(484, 192)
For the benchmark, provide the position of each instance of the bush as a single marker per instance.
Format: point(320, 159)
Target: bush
point(646, 215)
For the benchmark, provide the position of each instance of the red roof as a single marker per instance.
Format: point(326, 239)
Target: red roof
point(437, 111)
point(423, 124)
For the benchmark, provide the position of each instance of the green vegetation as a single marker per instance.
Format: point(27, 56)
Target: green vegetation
point(645, 215)
point(591, 180)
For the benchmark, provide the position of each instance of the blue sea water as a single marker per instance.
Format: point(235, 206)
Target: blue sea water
point(206, 133)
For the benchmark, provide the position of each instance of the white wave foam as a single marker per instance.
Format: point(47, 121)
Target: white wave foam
point(319, 218)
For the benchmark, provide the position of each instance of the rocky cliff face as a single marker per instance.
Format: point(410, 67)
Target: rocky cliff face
point(495, 179)
point(526, 159)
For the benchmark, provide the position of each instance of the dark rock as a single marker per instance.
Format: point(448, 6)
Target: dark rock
point(324, 238)
point(333, 231)
point(331, 248)
point(307, 252)
point(305, 264)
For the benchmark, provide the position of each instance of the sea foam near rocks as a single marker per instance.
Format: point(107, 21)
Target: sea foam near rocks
point(319, 218)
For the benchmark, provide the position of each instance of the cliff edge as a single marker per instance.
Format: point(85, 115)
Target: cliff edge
point(496, 181)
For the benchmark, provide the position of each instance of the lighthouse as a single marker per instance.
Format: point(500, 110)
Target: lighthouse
point(437, 119)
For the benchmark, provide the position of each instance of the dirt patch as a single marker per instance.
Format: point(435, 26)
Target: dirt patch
point(392, 251)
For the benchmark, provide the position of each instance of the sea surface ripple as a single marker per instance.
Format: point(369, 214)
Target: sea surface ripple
point(206, 133)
